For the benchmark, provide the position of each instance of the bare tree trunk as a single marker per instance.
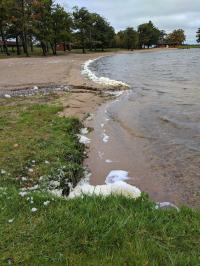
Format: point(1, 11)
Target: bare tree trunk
point(26, 45)
point(83, 42)
point(4, 43)
point(17, 44)
point(44, 51)
point(31, 43)
point(53, 48)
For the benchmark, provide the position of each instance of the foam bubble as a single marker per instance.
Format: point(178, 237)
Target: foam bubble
point(84, 131)
point(101, 80)
point(7, 96)
point(83, 139)
point(108, 161)
point(114, 93)
point(105, 138)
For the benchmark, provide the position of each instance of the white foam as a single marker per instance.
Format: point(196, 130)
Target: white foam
point(54, 183)
point(116, 175)
point(7, 96)
point(84, 131)
point(105, 138)
point(56, 192)
point(117, 188)
point(101, 154)
point(101, 80)
point(3, 172)
point(83, 139)
point(165, 205)
point(23, 193)
point(46, 203)
point(114, 93)
point(90, 117)
point(108, 161)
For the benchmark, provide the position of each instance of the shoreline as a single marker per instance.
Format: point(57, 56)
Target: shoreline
point(55, 75)
point(64, 70)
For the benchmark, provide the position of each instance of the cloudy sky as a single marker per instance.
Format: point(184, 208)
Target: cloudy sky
point(166, 14)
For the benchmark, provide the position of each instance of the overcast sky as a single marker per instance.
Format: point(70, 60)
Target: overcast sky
point(165, 14)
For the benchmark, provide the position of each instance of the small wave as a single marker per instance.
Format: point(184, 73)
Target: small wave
point(101, 80)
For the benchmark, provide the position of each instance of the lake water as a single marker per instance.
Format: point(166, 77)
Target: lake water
point(151, 131)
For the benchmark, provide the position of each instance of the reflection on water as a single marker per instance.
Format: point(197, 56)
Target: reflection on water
point(155, 128)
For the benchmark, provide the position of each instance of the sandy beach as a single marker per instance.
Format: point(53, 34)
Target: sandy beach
point(17, 73)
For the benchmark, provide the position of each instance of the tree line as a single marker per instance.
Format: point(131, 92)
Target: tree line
point(198, 35)
point(46, 24)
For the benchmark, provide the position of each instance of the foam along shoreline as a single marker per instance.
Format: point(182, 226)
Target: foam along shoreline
point(101, 80)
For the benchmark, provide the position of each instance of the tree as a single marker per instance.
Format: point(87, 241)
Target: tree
point(177, 37)
point(127, 39)
point(61, 23)
point(101, 31)
point(82, 20)
point(42, 22)
point(119, 39)
point(22, 22)
point(148, 34)
point(162, 38)
point(198, 35)
point(5, 10)
point(130, 38)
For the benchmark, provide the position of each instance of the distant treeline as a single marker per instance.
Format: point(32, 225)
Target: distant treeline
point(46, 24)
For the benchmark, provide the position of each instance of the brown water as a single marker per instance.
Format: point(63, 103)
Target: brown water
point(153, 130)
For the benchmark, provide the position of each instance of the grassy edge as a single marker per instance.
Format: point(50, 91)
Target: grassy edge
point(39, 229)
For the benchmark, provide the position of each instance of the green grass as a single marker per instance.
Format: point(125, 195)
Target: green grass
point(96, 231)
point(89, 231)
point(32, 134)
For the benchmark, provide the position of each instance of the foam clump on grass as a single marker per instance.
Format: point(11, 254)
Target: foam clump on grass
point(7, 96)
point(117, 188)
point(82, 138)
point(115, 185)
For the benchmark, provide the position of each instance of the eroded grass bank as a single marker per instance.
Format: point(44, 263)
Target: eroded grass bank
point(39, 229)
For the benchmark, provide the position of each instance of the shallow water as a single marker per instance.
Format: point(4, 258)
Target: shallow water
point(153, 130)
